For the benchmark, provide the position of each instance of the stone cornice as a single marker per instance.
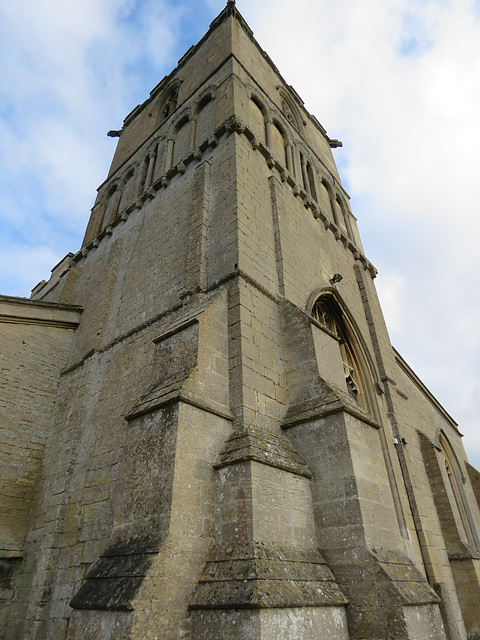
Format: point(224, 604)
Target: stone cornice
point(230, 126)
point(15, 310)
point(173, 394)
point(317, 408)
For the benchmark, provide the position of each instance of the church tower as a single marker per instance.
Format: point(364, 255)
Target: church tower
point(234, 450)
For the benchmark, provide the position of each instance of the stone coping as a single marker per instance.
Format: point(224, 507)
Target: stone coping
point(26, 311)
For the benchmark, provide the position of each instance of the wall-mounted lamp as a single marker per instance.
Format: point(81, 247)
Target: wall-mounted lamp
point(337, 277)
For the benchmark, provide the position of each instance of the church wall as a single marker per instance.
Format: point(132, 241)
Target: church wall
point(255, 224)
point(34, 342)
point(74, 505)
point(129, 283)
point(421, 423)
point(34, 350)
point(88, 491)
point(274, 247)
point(282, 508)
point(162, 601)
point(259, 377)
point(384, 358)
point(142, 280)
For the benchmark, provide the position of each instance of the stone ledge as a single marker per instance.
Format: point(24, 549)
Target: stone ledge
point(262, 575)
point(114, 580)
point(267, 448)
point(265, 569)
point(26, 311)
point(317, 408)
point(390, 570)
point(266, 594)
point(174, 392)
point(234, 124)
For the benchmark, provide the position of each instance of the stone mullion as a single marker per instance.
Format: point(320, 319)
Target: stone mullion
point(268, 133)
point(191, 135)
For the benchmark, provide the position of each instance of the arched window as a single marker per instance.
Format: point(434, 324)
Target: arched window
point(257, 119)
point(308, 177)
point(182, 140)
point(288, 113)
point(328, 313)
point(128, 192)
point(289, 110)
point(111, 208)
point(143, 176)
point(311, 181)
point(170, 104)
point(278, 144)
point(455, 484)
point(160, 161)
point(205, 119)
point(323, 199)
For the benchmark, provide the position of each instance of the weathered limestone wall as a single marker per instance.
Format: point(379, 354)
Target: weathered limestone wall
point(449, 517)
point(35, 339)
point(131, 290)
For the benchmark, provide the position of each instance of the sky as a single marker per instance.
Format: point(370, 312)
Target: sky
point(398, 81)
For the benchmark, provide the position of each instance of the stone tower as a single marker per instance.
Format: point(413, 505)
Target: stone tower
point(208, 434)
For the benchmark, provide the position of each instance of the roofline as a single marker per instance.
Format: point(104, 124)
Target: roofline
point(426, 392)
point(46, 304)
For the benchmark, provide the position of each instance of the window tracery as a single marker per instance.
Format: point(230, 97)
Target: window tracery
point(288, 113)
point(170, 104)
point(289, 109)
point(327, 312)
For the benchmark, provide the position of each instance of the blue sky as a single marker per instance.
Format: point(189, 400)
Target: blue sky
point(398, 81)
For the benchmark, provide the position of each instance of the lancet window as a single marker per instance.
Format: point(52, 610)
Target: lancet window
point(205, 118)
point(128, 190)
point(460, 508)
point(182, 140)
point(257, 119)
point(170, 104)
point(277, 143)
point(308, 177)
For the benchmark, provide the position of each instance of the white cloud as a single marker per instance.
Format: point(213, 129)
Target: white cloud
point(74, 71)
point(18, 262)
point(390, 287)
